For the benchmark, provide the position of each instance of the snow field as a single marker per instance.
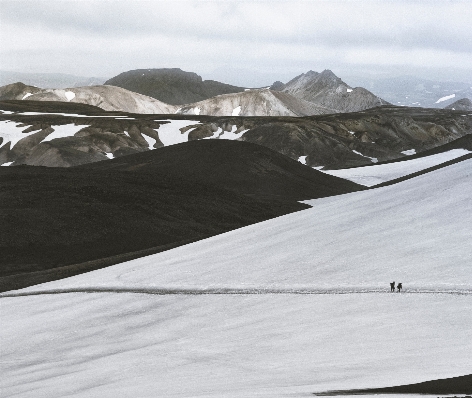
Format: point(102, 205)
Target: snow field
point(65, 130)
point(69, 95)
point(373, 175)
point(6, 164)
point(151, 141)
point(170, 134)
point(409, 152)
point(265, 345)
point(374, 160)
point(112, 345)
point(12, 132)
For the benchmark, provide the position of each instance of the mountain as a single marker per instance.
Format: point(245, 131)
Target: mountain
point(256, 102)
point(328, 90)
point(34, 133)
point(147, 201)
point(464, 104)
point(109, 98)
point(288, 307)
point(413, 91)
point(172, 86)
point(52, 80)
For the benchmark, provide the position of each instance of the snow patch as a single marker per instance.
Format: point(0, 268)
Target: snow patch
point(409, 152)
point(352, 132)
point(109, 155)
point(12, 133)
point(349, 90)
point(374, 160)
point(6, 164)
point(302, 159)
point(447, 97)
point(197, 110)
point(373, 175)
point(215, 134)
point(63, 131)
point(27, 95)
point(231, 135)
point(236, 111)
point(170, 134)
point(6, 112)
point(69, 95)
point(151, 141)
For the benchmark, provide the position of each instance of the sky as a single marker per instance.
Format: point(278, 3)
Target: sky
point(249, 43)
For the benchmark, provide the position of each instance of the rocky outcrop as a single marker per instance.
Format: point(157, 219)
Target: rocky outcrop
point(328, 90)
point(172, 86)
point(257, 102)
point(463, 104)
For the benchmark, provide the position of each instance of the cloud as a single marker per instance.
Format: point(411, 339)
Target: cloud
point(112, 34)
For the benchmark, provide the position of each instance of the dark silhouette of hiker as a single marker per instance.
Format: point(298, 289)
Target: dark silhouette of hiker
point(399, 287)
point(392, 286)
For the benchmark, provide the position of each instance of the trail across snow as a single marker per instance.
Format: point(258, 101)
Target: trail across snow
point(283, 308)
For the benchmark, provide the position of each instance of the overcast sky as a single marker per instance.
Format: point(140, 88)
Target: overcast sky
point(240, 42)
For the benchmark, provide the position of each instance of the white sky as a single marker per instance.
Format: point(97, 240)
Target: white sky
point(244, 42)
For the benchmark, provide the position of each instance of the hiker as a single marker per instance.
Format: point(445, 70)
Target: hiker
point(399, 287)
point(392, 286)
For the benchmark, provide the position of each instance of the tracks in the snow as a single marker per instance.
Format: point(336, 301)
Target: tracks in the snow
point(230, 291)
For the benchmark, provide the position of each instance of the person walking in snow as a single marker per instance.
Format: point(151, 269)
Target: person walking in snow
point(399, 287)
point(392, 286)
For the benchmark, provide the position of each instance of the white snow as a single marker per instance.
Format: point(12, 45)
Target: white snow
point(302, 159)
point(196, 110)
point(349, 90)
point(409, 152)
point(6, 164)
point(11, 132)
point(373, 175)
point(215, 134)
point(374, 160)
point(109, 155)
point(65, 130)
point(151, 141)
point(69, 95)
point(266, 345)
point(27, 95)
point(170, 134)
point(352, 132)
point(232, 135)
point(318, 167)
point(236, 111)
point(447, 97)
point(2, 112)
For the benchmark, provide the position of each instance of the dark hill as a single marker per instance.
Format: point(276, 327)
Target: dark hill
point(172, 86)
point(464, 104)
point(58, 222)
point(238, 166)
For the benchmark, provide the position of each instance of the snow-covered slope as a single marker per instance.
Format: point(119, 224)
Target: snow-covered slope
point(179, 343)
point(257, 102)
point(377, 174)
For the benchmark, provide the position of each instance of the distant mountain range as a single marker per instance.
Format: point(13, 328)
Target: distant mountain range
point(463, 104)
point(413, 91)
point(49, 80)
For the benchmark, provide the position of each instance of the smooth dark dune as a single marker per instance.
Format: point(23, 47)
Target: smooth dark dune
point(453, 385)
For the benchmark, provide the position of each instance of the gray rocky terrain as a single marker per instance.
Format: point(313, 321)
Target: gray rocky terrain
point(255, 102)
point(463, 104)
point(34, 133)
point(172, 86)
point(328, 90)
point(108, 98)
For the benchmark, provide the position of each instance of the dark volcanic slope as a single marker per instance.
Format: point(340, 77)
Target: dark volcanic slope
point(453, 385)
point(237, 166)
point(55, 217)
point(172, 86)
point(464, 104)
